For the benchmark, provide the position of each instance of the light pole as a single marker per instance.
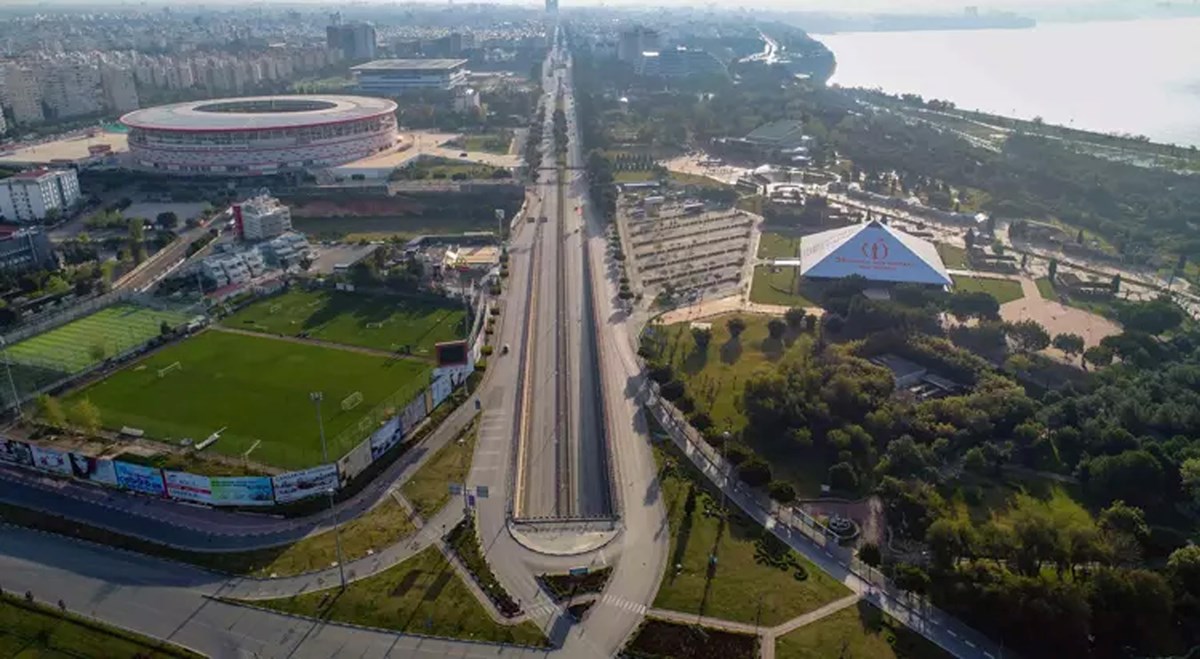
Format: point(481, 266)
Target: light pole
point(316, 397)
point(11, 383)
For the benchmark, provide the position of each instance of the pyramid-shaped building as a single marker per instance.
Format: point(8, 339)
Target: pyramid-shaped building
point(875, 251)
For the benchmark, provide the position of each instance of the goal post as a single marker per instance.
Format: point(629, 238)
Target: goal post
point(174, 366)
point(352, 401)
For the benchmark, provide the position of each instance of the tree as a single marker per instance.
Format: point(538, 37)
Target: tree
point(1052, 271)
point(50, 411)
point(781, 491)
point(755, 472)
point(949, 540)
point(735, 326)
point(1070, 344)
point(974, 461)
point(1153, 317)
point(167, 220)
point(910, 578)
point(842, 477)
point(1183, 569)
point(1133, 476)
point(795, 318)
point(1131, 608)
point(1079, 237)
point(1029, 335)
point(1097, 356)
point(86, 416)
point(165, 329)
point(973, 304)
point(702, 336)
point(869, 553)
point(1116, 283)
point(1189, 479)
point(969, 239)
point(776, 328)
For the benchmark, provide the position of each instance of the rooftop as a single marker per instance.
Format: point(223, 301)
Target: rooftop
point(258, 112)
point(410, 65)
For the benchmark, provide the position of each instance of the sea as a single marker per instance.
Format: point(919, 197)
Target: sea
point(1136, 77)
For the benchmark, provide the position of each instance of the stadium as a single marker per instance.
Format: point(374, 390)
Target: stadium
point(260, 134)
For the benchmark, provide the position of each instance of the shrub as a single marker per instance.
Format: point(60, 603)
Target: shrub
point(672, 390)
point(781, 491)
point(755, 472)
point(487, 350)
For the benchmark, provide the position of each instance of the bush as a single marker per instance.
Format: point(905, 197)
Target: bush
point(672, 390)
point(781, 491)
point(481, 364)
point(487, 350)
point(755, 472)
point(736, 454)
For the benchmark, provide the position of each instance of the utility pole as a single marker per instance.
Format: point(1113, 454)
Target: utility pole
point(316, 398)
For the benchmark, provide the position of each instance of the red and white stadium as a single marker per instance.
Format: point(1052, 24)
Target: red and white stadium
point(260, 134)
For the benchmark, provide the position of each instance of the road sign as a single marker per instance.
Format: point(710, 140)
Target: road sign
point(456, 489)
point(481, 491)
point(470, 500)
point(578, 571)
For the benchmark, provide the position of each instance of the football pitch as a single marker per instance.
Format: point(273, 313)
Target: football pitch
point(76, 345)
point(380, 322)
point(255, 390)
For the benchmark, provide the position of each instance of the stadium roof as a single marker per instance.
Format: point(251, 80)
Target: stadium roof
point(873, 250)
point(258, 113)
point(410, 65)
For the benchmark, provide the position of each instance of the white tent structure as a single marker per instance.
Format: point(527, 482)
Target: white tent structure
point(875, 251)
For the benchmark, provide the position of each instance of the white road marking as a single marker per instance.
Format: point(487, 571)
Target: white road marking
point(951, 633)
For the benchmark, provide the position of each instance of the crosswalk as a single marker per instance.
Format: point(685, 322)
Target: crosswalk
point(632, 607)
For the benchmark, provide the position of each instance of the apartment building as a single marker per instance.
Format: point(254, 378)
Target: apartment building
point(33, 195)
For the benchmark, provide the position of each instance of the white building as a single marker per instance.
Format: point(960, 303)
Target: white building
point(467, 101)
point(21, 93)
point(262, 217)
point(286, 250)
point(396, 76)
point(31, 196)
point(120, 90)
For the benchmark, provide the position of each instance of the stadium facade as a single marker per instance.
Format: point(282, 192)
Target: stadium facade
point(260, 134)
point(872, 250)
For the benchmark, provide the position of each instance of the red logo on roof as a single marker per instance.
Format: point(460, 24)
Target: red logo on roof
point(876, 251)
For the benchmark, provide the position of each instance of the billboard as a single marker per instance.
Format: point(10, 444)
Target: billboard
point(385, 438)
point(94, 470)
point(15, 453)
point(138, 478)
point(296, 485)
point(413, 414)
point(188, 487)
point(242, 491)
point(451, 353)
point(354, 462)
point(51, 460)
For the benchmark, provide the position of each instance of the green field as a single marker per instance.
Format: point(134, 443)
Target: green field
point(780, 286)
point(953, 256)
point(1046, 289)
point(426, 490)
point(257, 389)
point(380, 322)
point(741, 587)
point(80, 343)
point(857, 632)
point(1004, 290)
point(635, 176)
point(489, 143)
point(777, 246)
point(32, 631)
point(422, 595)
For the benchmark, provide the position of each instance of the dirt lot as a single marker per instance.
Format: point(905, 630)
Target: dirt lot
point(1058, 318)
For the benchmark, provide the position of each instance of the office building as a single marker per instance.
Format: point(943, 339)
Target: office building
point(355, 40)
point(33, 195)
point(27, 249)
point(395, 76)
point(21, 93)
point(262, 217)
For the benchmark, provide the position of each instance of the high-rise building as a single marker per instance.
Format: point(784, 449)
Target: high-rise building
point(355, 40)
point(262, 217)
point(21, 93)
point(72, 90)
point(120, 89)
point(31, 196)
point(636, 41)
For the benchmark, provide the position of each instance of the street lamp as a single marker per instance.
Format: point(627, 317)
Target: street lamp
point(316, 398)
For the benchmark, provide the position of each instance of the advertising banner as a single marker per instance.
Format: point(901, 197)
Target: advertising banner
point(137, 478)
point(296, 485)
point(242, 491)
point(354, 462)
point(413, 414)
point(441, 388)
point(188, 487)
point(15, 453)
point(51, 460)
point(94, 470)
point(385, 438)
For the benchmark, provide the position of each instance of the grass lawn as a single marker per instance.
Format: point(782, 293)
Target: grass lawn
point(352, 229)
point(256, 389)
point(777, 246)
point(742, 588)
point(422, 595)
point(428, 489)
point(856, 632)
point(1004, 290)
point(953, 256)
point(495, 143)
point(34, 631)
point(380, 322)
point(80, 343)
point(683, 178)
point(1046, 289)
point(635, 176)
point(782, 286)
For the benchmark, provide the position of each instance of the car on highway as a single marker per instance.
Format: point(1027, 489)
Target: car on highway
point(504, 350)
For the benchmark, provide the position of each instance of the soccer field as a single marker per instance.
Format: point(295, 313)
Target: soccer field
point(114, 329)
point(257, 390)
point(380, 322)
